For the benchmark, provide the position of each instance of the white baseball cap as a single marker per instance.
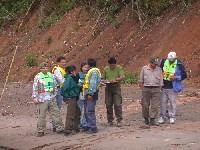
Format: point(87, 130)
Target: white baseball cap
point(171, 56)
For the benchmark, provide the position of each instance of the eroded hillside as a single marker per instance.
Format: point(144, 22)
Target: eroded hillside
point(79, 36)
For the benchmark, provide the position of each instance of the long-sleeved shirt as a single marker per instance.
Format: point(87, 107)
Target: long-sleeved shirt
point(41, 97)
point(93, 82)
point(58, 76)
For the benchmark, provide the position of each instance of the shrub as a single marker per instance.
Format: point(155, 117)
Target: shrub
point(31, 60)
point(130, 78)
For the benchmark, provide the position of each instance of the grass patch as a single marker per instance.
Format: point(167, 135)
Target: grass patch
point(130, 78)
point(31, 60)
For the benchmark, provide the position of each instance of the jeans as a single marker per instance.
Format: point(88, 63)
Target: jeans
point(90, 112)
point(59, 100)
point(81, 105)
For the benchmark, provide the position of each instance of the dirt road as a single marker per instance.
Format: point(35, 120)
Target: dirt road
point(18, 125)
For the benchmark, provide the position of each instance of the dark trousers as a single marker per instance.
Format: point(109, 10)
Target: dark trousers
point(113, 97)
point(90, 112)
point(73, 115)
point(151, 98)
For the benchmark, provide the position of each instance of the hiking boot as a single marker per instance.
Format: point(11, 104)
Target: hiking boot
point(161, 120)
point(146, 121)
point(110, 123)
point(119, 124)
point(85, 129)
point(40, 134)
point(67, 133)
point(60, 132)
point(172, 120)
point(54, 129)
point(91, 131)
point(152, 122)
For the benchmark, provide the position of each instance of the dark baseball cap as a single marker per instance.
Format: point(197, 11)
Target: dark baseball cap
point(43, 64)
point(154, 60)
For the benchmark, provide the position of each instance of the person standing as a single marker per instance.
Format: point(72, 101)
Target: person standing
point(80, 79)
point(70, 91)
point(173, 74)
point(112, 75)
point(59, 72)
point(44, 92)
point(90, 90)
point(151, 82)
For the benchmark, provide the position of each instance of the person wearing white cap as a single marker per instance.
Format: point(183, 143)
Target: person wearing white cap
point(173, 74)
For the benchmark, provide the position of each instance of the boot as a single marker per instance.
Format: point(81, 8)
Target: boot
point(146, 121)
point(153, 123)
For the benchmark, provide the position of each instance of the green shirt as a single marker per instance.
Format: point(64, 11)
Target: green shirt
point(111, 74)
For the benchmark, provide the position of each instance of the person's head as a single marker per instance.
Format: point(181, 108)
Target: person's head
point(171, 57)
point(112, 62)
point(71, 70)
point(44, 67)
point(84, 67)
point(91, 62)
point(153, 61)
point(61, 61)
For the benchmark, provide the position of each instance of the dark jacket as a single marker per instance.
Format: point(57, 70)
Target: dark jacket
point(70, 89)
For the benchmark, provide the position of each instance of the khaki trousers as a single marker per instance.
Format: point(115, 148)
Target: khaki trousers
point(52, 108)
point(151, 98)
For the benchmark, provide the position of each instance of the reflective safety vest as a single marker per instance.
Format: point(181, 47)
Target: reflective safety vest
point(86, 82)
point(45, 84)
point(63, 72)
point(169, 69)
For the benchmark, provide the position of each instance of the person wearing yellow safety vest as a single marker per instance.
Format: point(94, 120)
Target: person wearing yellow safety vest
point(173, 74)
point(44, 93)
point(59, 72)
point(90, 90)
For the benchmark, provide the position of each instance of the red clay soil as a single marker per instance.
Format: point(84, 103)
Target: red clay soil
point(80, 37)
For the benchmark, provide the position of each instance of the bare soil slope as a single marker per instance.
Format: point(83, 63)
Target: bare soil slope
point(79, 37)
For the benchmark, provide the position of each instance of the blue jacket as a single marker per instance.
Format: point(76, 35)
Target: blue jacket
point(180, 74)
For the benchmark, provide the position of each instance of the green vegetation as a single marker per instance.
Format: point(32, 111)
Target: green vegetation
point(31, 60)
point(53, 10)
point(49, 39)
point(11, 9)
point(130, 78)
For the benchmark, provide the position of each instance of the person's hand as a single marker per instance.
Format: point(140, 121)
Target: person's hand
point(36, 102)
point(113, 81)
point(172, 78)
point(89, 98)
point(105, 81)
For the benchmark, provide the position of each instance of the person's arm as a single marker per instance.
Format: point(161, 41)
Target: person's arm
point(141, 78)
point(66, 86)
point(35, 90)
point(121, 75)
point(58, 76)
point(93, 82)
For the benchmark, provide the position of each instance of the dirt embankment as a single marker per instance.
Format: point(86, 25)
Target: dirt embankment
point(79, 37)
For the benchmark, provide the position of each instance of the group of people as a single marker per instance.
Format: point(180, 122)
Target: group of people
point(159, 81)
point(80, 92)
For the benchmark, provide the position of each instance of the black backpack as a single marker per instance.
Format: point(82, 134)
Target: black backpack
point(180, 64)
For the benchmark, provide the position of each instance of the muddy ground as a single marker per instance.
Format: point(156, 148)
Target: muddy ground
point(18, 125)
